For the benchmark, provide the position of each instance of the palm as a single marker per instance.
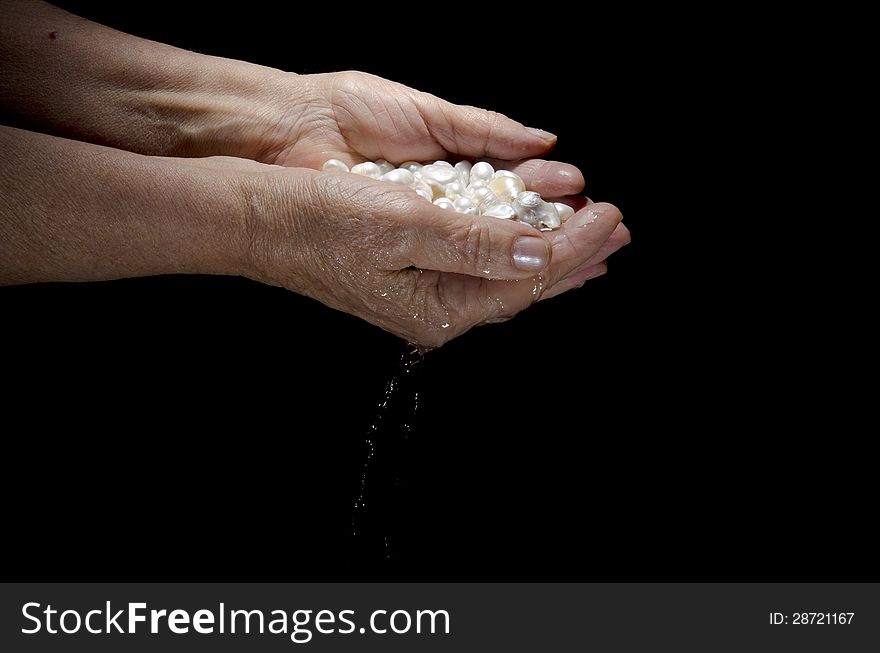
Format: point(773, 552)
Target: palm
point(358, 117)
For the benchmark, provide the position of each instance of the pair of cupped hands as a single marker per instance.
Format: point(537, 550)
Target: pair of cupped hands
point(380, 251)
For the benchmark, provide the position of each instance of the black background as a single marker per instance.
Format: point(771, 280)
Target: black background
point(652, 425)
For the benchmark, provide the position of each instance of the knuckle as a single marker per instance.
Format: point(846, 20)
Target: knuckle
point(350, 80)
point(494, 122)
point(476, 245)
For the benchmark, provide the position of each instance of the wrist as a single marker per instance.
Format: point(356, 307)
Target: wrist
point(218, 107)
point(274, 231)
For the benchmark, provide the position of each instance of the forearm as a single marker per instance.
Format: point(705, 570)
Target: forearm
point(73, 211)
point(66, 75)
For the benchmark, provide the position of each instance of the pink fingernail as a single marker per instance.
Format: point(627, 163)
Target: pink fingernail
point(530, 254)
point(540, 133)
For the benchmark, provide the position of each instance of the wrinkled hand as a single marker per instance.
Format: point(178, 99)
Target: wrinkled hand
point(357, 117)
point(426, 274)
point(381, 252)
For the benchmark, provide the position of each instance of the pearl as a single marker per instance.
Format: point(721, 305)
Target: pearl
point(399, 176)
point(464, 205)
point(470, 189)
point(464, 172)
point(384, 166)
point(482, 171)
point(473, 186)
point(334, 165)
point(503, 211)
point(484, 198)
point(507, 173)
point(507, 188)
point(564, 210)
point(548, 216)
point(437, 189)
point(441, 174)
point(419, 184)
point(530, 208)
point(454, 190)
point(367, 169)
point(526, 206)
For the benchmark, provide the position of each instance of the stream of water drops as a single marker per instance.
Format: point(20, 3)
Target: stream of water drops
point(384, 448)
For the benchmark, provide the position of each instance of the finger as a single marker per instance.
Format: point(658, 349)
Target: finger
point(475, 245)
point(580, 238)
point(577, 202)
point(549, 178)
point(620, 238)
point(576, 280)
point(470, 131)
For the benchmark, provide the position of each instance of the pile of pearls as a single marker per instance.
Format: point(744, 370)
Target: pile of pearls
point(476, 189)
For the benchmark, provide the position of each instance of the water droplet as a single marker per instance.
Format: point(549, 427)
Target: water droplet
point(372, 517)
point(538, 288)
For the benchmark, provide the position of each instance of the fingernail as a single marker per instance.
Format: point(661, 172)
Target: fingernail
point(530, 254)
point(540, 133)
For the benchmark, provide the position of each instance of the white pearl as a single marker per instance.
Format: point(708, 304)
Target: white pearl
point(441, 174)
point(507, 188)
point(526, 207)
point(484, 198)
point(482, 171)
point(420, 185)
point(565, 211)
point(464, 205)
point(334, 165)
point(437, 189)
point(548, 216)
point(443, 163)
point(473, 186)
point(399, 176)
point(507, 173)
point(454, 190)
point(464, 172)
point(412, 166)
point(424, 194)
point(503, 211)
point(444, 203)
point(367, 169)
point(384, 166)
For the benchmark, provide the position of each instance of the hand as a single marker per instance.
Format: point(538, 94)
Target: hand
point(426, 274)
point(356, 117)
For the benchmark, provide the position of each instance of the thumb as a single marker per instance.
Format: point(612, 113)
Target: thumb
point(470, 131)
point(478, 246)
